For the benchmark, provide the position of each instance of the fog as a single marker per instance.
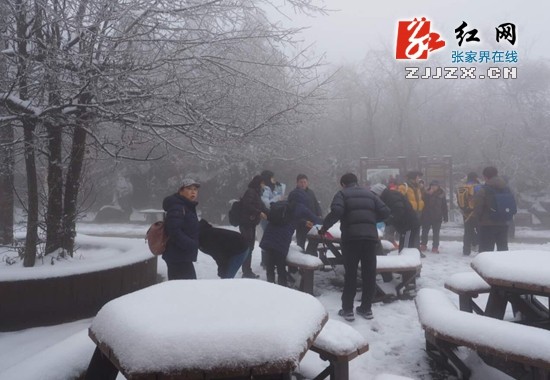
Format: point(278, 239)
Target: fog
point(259, 92)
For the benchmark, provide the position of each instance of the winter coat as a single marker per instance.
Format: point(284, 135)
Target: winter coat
point(182, 228)
point(483, 200)
point(413, 194)
point(220, 243)
point(311, 201)
point(403, 218)
point(277, 238)
point(252, 206)
point(358, 210)
point(272, 195)
point(435, 208)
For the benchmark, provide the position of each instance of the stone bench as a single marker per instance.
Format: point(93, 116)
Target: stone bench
point(338, 343)
point(516, 349)
point(468, 285)
point(407, 264)
point(306, 264)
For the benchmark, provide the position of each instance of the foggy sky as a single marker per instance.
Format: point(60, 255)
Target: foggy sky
point(346, 35)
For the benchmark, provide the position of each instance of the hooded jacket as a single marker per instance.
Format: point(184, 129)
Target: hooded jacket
point(182, 228)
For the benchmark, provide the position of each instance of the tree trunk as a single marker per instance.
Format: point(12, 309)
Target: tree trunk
point(54, 213)
point(72, 183)
point(6, 184)
point(31, 239)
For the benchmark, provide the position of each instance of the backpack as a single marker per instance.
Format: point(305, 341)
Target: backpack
point(503, 206)
point(156, 238)
point(280, 213)
point(465, 197)
point(235, 213)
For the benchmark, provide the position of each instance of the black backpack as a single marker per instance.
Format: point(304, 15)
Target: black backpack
point(235, 213)
point(280, 213)
point(503, 206)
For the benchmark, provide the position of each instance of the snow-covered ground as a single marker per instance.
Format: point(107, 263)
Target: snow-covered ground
point(395, 337)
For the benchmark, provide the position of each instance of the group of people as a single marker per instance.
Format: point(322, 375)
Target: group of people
point(358, 209)
point(415, 211)
point(484, 225)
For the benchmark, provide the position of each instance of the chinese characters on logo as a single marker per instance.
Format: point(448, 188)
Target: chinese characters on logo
point(507, 32)
point(460, 34)
point(415, 39)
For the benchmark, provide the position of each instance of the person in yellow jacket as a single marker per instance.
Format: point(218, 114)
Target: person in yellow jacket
point(413, 192)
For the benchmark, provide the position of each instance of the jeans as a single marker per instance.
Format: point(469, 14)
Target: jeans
point(436, 227)
point(234, 264)
point(353, 252)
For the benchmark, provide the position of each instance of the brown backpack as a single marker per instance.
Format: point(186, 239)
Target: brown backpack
point(157, 238)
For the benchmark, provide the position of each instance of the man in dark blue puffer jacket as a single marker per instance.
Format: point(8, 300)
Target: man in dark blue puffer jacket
point(358, 211)
point(182, 228)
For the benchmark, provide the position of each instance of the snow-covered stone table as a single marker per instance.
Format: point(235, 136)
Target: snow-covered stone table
point(204, 329)
point(516, 277)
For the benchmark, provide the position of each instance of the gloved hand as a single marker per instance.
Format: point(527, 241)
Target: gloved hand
point(322, 231)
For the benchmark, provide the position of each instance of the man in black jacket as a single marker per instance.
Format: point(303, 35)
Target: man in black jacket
point(358, 210)
point(228, 248)
point(312, 204)
point(403, 218)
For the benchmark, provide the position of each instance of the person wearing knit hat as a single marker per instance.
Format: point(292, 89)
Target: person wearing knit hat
point(182, 227)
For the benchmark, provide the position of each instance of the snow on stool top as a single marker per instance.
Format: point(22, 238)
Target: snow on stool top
point(408, 258)
point(296, 257)
point(205, 325)
point(437, 312)
point(387, 376)
point(387, 245)
point(339, 338)
point(336, 232)
point(467, 282)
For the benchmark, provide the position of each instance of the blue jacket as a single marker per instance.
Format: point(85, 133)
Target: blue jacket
point(278, 237)
point(182, 227)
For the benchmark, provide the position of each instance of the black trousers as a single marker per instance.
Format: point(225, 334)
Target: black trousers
point(489, 236)
point(181, 271)
point(275, 260)
point(353, 252)
point(249, 233)
point(470, 237)
point(410, 239)
point(301, 236)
